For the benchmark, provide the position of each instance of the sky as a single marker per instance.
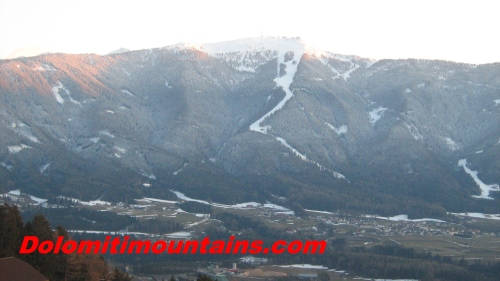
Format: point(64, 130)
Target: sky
point(462, 31)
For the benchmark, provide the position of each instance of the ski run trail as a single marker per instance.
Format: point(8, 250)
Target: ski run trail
point(292, 52)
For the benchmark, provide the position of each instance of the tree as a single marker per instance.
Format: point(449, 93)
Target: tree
point(11, 227)
point(204, 278)
point(45, 263)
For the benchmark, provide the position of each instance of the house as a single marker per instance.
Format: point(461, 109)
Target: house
point(12, 269)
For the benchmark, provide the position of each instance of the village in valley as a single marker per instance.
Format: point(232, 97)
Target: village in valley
point(471, 236)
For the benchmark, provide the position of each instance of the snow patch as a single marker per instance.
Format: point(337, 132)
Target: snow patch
point(479, 215)
point(405, 218)
point(127, 92)
point(275, 207)
point(94, 202)
point(119, 149)
point(42, 67)
point(451, 144)
point(38, 200)
point(321, 212)
point(376, 114)
point(58, 97)
point(340, 130)
point(168, 86)
point(414, 131)
point(295, 151)
point(180, 170)
point(485, 188)
point(17, 148)
point(106, 133)
point(249, 54)
point(305, 266)
point(16, 192)
point(44, 168)
point(252, 259)
point(7, 166)
point(56, 90)
point(497, 102)
point(158, 200)
point(179, 235)
point(95, 140)
point(297, 49)
point(324, 57)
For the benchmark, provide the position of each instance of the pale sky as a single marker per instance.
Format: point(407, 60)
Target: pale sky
point(463, 31)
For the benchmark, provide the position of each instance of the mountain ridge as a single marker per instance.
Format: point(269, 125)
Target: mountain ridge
point(399, 125)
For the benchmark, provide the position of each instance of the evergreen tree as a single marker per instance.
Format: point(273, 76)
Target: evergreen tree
point(11, 227)
point(118, 275)
point(45, 263)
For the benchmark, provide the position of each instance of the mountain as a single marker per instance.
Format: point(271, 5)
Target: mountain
point(254, 119)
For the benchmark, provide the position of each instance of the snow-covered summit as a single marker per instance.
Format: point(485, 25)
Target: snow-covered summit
point(254, 45)
point(248, 54)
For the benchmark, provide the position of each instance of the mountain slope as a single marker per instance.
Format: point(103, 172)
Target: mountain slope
point(258, 117)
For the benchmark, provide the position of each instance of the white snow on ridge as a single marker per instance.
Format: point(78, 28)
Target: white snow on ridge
point(485, 188)
point(285, 81)
point(248, 54)
point(497, 102)
point(376, 114)
point(340, 130)
point(297, 153)
point(324, 56)
point(290, 52)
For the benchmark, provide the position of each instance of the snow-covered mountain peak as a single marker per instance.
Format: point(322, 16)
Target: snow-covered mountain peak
point(253, 45)
point(250, 53)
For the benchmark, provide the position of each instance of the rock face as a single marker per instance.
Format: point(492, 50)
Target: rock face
point(248, 108)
